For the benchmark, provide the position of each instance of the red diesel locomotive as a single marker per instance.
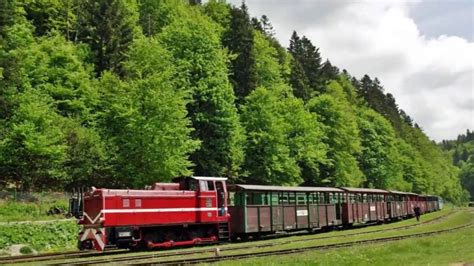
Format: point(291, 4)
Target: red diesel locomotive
point(198, 210)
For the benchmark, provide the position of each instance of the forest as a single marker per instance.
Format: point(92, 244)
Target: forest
point(462, 151)
point(124, 93)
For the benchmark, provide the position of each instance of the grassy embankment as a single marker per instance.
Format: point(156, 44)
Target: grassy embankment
point(461, 217)
point(442, 249)
point(19, 223)
point(34, 209)
point(434, 250)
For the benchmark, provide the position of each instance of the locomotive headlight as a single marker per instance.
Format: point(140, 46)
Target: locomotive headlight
point(125, 234)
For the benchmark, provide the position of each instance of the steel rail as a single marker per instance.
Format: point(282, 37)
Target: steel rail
point(300, 250)
point(212, 250)
point(86, 254)
point(56, 255)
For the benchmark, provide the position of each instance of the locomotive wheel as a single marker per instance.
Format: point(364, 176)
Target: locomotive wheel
point(170, 236)
point(86, 244)
point(193, 234)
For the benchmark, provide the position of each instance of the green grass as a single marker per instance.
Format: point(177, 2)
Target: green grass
point(460, 217)
point(457, 217)
point(443, 249)
point(57, 235)
point(13, 211)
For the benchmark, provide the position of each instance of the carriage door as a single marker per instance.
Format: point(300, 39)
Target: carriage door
point(338, 201)
point(389, 205)
point(220, 188)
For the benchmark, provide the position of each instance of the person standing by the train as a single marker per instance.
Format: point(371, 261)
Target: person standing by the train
point(417, 211)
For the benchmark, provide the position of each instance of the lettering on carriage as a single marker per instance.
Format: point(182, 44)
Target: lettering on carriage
point(302, 213)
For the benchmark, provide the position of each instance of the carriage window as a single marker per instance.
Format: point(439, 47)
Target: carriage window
point(283, 199)
point(210, 185)
point(291, 198)
point(203, 185)
point(231, 199)
point(301, 199)
point(138, 203)
point(256, 198)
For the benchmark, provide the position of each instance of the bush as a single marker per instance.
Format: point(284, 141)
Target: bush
point(31, 210)
point(45, 236)
point(26, 250)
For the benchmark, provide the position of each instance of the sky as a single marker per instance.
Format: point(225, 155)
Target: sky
point(422, 51)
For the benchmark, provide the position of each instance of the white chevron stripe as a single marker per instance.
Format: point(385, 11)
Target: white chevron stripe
point(98, 235)
point(93, 221)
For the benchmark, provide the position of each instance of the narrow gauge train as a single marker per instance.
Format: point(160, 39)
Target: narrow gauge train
point(197, 210)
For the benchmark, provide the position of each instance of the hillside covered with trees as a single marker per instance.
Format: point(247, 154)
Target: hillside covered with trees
point(462, 152)
point(126, 93)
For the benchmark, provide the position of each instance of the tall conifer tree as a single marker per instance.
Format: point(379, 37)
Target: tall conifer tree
point(306, 78)
point(108, 26)
point(239, 40)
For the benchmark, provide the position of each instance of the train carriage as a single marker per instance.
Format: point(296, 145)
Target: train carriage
point(364, 205)
point(257, 209)
point(402, 204)
point(432, 203)
point(197, 210)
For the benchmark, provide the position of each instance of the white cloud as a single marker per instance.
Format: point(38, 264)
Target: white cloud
point(430, 77)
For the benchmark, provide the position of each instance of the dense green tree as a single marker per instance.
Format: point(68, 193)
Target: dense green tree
point(59, 71)
point(32, 151)
point(48, 15)
point(239, 40)
point(7, 15)
point(267, 26)
point(328, 71)
point(50, 69)
point(219, 11)
point(467, 177)
point(154, 15)
point(194, 42)
point(165, 105)
point(195, 2)
point(373, 93)
point(461, 150)
point(283, 146)
point(267, 66)
point(268, 159)
point(378, 159)
point(144, 118)
point(341, 136)
point(108, 27)
point(306, 78)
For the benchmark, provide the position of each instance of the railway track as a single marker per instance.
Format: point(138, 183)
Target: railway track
point(299, 250)
point(91, 254)
point(57, 256)
point(257, 245)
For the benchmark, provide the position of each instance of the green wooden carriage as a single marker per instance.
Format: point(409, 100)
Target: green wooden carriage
point(257, 209)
